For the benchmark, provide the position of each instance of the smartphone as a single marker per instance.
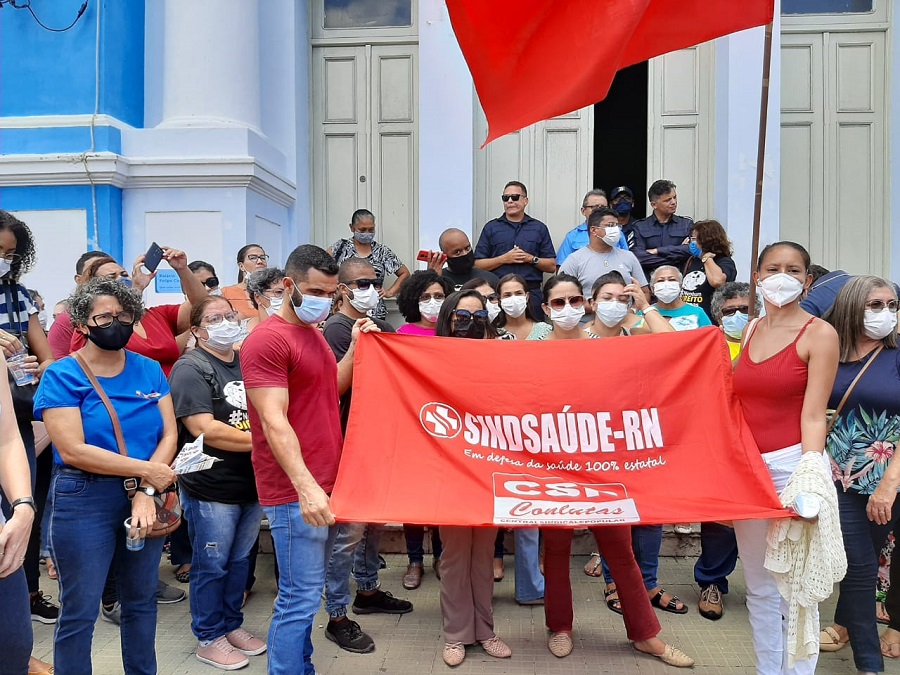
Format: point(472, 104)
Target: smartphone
point(424, 255)
point(153, 257)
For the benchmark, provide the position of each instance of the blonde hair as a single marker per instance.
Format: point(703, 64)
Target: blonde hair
point(848, 313)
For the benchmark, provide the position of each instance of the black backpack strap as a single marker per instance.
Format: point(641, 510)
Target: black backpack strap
point(201, 362)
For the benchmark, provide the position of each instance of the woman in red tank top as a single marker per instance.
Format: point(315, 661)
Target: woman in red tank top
point(783, 378)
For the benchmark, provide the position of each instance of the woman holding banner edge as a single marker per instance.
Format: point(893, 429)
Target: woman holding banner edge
point(783, 378)
point(564, 304)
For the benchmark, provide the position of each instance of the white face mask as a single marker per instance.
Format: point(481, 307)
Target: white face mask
point(514, 305)
point(613, 233)
point(667, 291)
point(223, 335)
point(493, 310)
point(878, 325)
point(430, 310)
point(4, 267)
point(781, 289)
point(364, 301)
point(216, 291)
point(274, 305)
point(611, 312)
point(567, 317)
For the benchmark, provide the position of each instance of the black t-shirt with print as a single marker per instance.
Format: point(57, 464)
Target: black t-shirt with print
point(695, 289)
point(230, 481)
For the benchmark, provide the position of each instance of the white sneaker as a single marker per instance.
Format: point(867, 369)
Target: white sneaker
point(222, 655)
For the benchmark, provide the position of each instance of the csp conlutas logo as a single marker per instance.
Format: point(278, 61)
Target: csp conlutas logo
point(440, 420)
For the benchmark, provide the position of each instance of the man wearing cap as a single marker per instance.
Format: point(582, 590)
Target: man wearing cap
point(662, 238)
point(579, 237)
point(621, 200)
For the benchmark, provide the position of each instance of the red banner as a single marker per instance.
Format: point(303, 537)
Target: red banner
point(449, 431)
point(535, 59)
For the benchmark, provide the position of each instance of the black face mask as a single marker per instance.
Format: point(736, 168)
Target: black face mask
point(462, 264)
point(471, 330)
point(112, 338)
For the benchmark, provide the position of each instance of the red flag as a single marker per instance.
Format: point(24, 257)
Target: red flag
point(645, 429)
point(535, 59)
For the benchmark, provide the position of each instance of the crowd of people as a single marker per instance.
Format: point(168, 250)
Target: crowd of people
point(259, 376)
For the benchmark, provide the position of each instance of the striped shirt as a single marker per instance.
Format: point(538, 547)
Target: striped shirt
point(15, 319)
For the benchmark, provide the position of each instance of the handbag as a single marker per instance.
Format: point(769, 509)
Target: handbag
point(22, 396)
point(168, 505)
point(831, 415)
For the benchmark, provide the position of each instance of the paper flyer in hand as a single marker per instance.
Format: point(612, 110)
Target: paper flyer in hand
point(192, 458)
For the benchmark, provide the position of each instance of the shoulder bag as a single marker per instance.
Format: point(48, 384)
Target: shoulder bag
point(831, 415)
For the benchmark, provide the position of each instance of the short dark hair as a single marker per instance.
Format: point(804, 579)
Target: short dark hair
point(242, 251)
point(659, 188)
point(408, 298)
point(308, 257)
point(81, 302)
point(558, 279)
point(24, 244)
point(599, 214)
point(445, 317)
point(84, 257)
point(477, 282)
point(790, 244)
point(614, 277)
point(95, 263)
point(500, 321)
point(818, 272)
point(198, 310)
point(515, 183)
point(198, 265)
point(346, 272)
point(262, 280)
point(361, 214)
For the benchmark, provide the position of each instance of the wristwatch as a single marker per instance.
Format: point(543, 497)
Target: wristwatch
point(535, 260)
point(24, 500)
point(148, 490)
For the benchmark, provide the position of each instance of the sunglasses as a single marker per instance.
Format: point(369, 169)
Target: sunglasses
point(879, 305)
point(729, 311)
point(574, 301)
point(514, 198)
point(464, 316)
point(363, 284)
point(212, 282)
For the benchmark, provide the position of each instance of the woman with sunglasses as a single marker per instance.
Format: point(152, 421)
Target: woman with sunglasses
point(489, 291)
point(220, 503)
point(860, 447)
point(206, 275)
point(362, 244)
point(467, 582)
point(250, 258)
point(564, 302)
point(90, 499)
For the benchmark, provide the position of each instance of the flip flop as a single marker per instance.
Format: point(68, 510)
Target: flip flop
point(830, 640)
point(183, 576)
point(614, 604)
point(671, 606)
point(594, 567)
point(890, 649)
point(881, 615)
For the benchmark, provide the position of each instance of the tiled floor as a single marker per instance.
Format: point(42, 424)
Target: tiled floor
point(410, 644)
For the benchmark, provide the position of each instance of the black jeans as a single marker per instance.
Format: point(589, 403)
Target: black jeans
point(415, 543)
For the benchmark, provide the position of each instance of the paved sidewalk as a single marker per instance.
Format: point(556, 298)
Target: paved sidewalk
point(411, 644)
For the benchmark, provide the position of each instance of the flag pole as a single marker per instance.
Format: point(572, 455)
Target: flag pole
point(760, 159)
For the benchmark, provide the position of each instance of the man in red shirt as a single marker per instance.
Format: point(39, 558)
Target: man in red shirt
point(293, 386)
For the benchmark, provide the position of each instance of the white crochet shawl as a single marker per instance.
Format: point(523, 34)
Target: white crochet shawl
point(806, 559)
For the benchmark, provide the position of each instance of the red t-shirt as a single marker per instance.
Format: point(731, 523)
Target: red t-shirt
point(286, 356)
point(161, 325)
point(60, 336)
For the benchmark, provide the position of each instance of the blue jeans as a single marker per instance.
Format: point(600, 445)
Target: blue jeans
point(529, 580)
point(645, 542)
point(355, 546)
point(302, 553)
point(718, 555)
point(15, 624)
point(86, 534)
point(221, 536)
point(855, 609)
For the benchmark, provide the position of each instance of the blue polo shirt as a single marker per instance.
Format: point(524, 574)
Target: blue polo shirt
point(665, 237)
point(499, 236)
point(579, 238)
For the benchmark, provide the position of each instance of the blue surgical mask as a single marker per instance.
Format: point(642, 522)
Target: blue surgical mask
point(312, 308)
point(623, 207)
point(364, 237)
point(126, 282)
point(695, 250)
point(734, 324)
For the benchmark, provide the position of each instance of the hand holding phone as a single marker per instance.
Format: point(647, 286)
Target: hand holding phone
point(153, 257)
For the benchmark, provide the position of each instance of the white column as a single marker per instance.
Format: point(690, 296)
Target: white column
point(211, 66)
point(446, 145)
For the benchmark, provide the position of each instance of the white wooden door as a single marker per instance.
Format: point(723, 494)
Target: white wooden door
point(364, 142)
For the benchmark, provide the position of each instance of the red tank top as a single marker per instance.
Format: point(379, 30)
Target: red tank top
point(771, 393)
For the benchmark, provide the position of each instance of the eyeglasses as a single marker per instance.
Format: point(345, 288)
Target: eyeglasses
point(729, 311)
point(425, 297)
point(574, 301)
point(273, 293)
point(216, 319)
point(11, 258)
point(492, 297)
point(593, 207)
point(879, 305)
point(258, 257)
point(212, 282)
point(106, 320)
point(464, 316)
point(514, 198)
point(363, 284)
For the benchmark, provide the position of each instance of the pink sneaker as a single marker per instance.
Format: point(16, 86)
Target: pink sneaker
point(246, 642)
point(222, 655)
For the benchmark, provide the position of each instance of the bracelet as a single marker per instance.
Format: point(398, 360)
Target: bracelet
point(24, 500)
point(651, 308)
